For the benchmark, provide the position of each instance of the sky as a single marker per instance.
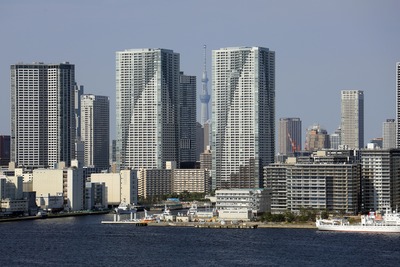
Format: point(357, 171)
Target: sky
point(322, 47)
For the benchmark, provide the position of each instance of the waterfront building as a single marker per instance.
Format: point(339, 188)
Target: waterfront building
point(317, 138)
point(236, 204)
point(191, 180)
point(352, 120)
point(147, 92)
point(380, 178)
point(5, 146)
point(95, 196)
point(389, 134)
point(95, 130)
point(243, 112)
point(122, 186)
point(289, 135)
point(331, 180)
point(11, 187)
point(154, 182)
point(67, 182)
point(187, 117)
point(42, 114)
point(335, 139)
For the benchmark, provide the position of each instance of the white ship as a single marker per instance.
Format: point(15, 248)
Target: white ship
point(373, 222)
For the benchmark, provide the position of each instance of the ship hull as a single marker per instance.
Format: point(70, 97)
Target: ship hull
point(360, 228)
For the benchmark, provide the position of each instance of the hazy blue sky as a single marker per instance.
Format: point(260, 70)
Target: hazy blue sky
point(321, 47)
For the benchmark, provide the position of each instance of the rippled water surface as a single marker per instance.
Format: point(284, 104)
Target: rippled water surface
point(84, 241)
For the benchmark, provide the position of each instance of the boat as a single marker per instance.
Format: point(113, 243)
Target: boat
point(125, 208)
point(192, 211)
point(373, 222)
point(147, 218)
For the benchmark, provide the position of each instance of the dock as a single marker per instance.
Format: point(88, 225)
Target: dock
point(132, 220)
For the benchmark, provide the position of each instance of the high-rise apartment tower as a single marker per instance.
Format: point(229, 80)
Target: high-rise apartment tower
point(352, 122)
point(95, 130)
point(243, 112)
point(147, 86)
point(42, 114)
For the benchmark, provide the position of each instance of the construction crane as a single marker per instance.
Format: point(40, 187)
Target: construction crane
point(293, 143)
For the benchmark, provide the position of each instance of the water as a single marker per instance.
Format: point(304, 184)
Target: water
point(84, 241)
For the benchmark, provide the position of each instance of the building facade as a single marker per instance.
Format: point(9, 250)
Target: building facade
point(242, 203)
point(5, 147)
point(187, 117)
point(243, 112)
point(191, 180)
point(380, 178)
point(147, 85)
point(289, 135)
point(389, 134)
point(154, 182)
point(329, 181)
point(42, 114)
point(95, 130)
point(317, 138)
point(352, 120)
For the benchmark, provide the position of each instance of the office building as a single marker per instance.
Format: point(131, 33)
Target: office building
point(317, 138)
point(42, 114)
point(95, 130)
point(334, 139)
point(243, 112)
point(289, 135)
point(389, 134)
point(352, 120)
point(5, 147)
point(120, 187)
point(187, 117)
point(147, 86)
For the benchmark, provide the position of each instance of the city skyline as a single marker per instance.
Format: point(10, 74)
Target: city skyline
point(319, 54)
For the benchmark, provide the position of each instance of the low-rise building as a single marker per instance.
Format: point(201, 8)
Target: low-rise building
point(242, 201)
point(191, 180)
point(327, 180)
point(95, 196)
point(154, 182)
point(120, 186)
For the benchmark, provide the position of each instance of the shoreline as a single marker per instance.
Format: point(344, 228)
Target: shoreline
point(52, 216)
point(308, 225)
